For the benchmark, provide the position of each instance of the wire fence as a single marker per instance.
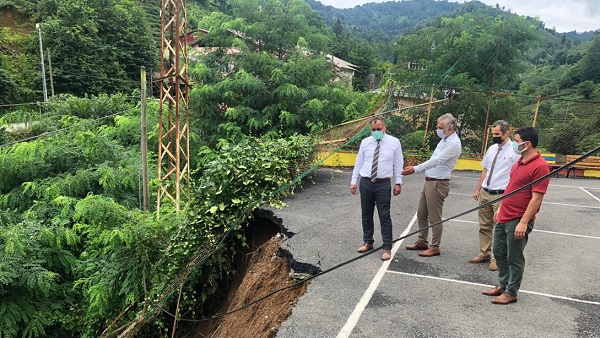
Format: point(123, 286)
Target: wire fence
point(565, 125)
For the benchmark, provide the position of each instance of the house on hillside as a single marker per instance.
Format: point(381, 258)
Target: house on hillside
point(344, 70)
point(415, 65)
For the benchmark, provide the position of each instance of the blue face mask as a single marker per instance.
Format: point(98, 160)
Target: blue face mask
point(377, 134)
point(516, 147)
point(440, 133)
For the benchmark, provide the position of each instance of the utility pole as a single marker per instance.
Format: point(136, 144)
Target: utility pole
point(144, 140)
point(50, 69)
point(39, 28)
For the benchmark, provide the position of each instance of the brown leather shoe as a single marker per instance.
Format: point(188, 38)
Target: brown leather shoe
point(493, 266)
point(429, 253)
point(417, 246)
point(505, 298)
point(366, 247)
point(497, 291)
point(480, 258)
point(386, 255)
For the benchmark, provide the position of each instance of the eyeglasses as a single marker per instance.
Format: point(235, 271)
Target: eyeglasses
point(376, 129)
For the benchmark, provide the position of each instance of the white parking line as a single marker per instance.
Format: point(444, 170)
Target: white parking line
point(561, 204)
point(455, 193)
point(571, 205)
point(536, 230)
point(589, 193)
point(364, 300)
point(491, 286)
point(552, 184)
point(462, 221)
point(565, 234)
point(571, 186)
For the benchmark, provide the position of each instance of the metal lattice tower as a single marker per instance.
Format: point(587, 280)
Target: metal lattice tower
point(173, 130)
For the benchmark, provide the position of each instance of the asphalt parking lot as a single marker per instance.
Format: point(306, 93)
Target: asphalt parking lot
point(413, 296)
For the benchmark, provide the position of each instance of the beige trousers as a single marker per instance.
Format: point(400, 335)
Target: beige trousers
point(429, 211)
point(486, 221)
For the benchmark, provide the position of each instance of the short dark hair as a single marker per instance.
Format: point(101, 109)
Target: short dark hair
point(528, 134)
point(377, 118)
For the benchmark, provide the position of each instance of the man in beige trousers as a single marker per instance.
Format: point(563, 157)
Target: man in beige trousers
point(497, 162)
point(437, 186)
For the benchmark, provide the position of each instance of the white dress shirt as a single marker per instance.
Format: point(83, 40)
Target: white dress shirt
point(506, 159)
point(444, 158)
point(390, 162)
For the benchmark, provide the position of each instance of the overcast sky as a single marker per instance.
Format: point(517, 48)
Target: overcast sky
point(564, 15)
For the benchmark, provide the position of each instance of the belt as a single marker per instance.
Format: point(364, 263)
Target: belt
point(387, 179)
point(437, 179)
point(494, 192)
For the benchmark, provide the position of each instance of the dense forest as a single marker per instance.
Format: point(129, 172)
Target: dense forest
point(474, 47)
point(76, 251)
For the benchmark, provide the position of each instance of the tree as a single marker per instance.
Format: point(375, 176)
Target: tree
point(472, 48)
point(338, 28)
point(586, 89)
point(590, 63)
point(266, 95)
point(275, 26)
point(276, 82)
point(9, 90)
point(97, 46)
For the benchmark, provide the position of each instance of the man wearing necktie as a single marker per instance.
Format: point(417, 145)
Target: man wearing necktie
point(497, 161)
point(437, 186)
point(378, 163)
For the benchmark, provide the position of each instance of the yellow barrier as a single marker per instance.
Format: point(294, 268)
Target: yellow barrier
point(591, 173)
point(339, 159)
point(468, 164)
point(348, 159)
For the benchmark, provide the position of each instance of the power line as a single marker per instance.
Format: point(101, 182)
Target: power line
point(21, 104)
point(69, 74)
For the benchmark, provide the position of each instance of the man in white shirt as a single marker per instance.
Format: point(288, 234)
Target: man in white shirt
point(497, 162)
point(379, 162)
point(437, 186)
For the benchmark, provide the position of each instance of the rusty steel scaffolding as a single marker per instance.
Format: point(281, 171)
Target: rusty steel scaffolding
point(173, 128)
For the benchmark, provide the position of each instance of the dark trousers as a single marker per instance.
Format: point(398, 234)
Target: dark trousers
point(380, 194)
point(508, 252)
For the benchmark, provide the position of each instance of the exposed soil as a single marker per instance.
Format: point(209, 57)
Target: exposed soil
point(14, 20)
point(261, 269)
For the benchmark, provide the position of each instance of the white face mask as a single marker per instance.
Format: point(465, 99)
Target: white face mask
point(440, 133)
point(516, 147)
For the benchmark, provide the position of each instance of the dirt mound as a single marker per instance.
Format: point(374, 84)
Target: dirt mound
point(260, 271)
